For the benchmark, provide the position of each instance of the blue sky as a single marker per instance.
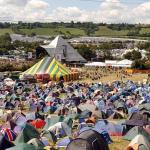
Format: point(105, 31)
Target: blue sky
point(89, 4)
point(108, 11)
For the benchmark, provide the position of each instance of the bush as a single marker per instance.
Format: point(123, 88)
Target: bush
point(134, 55)
point(141, 64)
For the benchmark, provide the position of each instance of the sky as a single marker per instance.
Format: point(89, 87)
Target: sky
point(106, 11)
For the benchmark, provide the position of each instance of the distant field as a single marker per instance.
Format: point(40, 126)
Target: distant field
point(144, 30)
point(104, 31)
point(54, 31)
point(3, 31)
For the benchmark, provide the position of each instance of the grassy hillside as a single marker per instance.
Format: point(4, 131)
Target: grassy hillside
point(144, 30)
point(104, 31)
point(6, 30)
point(54, 31)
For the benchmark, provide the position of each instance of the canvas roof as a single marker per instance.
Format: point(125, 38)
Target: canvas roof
point(28, 133)
point(140, 140)
point(24, 146)
point(56, 48)
point(132, 133)
point(47, 66)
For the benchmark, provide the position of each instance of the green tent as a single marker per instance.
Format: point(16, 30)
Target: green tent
point(24, 146)
point(69, 119)
point(51, 67)
point(49, 135)
point(36, 142)
point(132, 133)
point(53, 120)
point(28, 133)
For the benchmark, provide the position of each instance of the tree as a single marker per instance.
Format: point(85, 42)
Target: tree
point(139, 64)
point(134, 55)
point(86, 52)
point(33, 34)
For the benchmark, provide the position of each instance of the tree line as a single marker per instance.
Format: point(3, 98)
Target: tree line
point(6, 45)
point(88, 27)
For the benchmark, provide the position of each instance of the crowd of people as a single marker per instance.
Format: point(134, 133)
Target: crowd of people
point(100, 72)
point(56, 110)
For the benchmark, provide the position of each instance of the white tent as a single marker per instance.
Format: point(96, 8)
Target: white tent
point(111, 62)
point(124, 63)
point(95, 64)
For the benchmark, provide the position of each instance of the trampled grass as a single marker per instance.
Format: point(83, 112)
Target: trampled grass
point(118, 144)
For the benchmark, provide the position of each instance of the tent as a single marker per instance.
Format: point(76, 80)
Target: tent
point(116, 115)
point(88, 140)
point(132, 133)
point(136, 119)
point(145, 106)
point(50, 136)
point(38, 123)
point(60, 129)
point(9, 134)
point(49, 69)
point(4, 143)
point(95, 64)
point(28, 133)
point(111, 128)
point(36, 142)
point(124, 63)
point(140, 142)
point(24, 146)
point(63, 142)
point(53, 120)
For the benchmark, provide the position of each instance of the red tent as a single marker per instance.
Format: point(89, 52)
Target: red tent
point(38, 123)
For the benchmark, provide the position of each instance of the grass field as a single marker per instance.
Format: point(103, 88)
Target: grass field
point(54, 31)
point(118, 144)
point(104, 31)
point(3, 31)
point(144, 30)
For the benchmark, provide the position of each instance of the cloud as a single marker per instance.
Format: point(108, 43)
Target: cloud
point(69, 14)
point(23, 10)
point(109, 11)
point(38, 4)
point(14, 2)
point(142, 13)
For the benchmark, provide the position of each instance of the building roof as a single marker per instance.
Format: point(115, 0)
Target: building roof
point(60, 48)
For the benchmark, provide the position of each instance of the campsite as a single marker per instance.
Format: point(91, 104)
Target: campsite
point(97, 106)
point(53, 115)
point(74, 75)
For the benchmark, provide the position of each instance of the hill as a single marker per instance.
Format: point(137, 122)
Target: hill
point(105, 31)
point(54, 31)
point(81, 30)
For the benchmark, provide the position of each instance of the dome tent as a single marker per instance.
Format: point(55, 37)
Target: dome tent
point(88, 140)
point(140, 142)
